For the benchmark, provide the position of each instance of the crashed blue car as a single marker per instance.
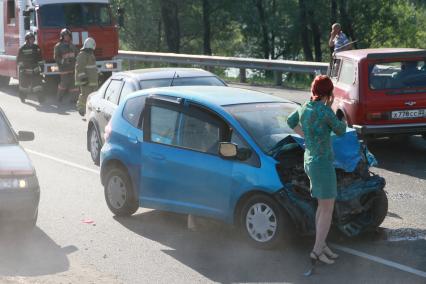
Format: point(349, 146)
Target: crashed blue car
point(228, 154)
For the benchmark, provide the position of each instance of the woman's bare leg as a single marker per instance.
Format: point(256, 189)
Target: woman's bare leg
point(323, 218)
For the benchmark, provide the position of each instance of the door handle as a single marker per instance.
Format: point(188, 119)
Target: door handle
point(132, 139)
point(156, 156)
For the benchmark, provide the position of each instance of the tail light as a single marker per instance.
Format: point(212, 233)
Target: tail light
point(377, 115)
point(108, 130)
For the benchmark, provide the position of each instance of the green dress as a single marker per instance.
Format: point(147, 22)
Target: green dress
point(317, 121)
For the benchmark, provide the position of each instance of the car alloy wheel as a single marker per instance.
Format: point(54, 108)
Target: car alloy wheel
point(261, 222)
point(95, 145)
point(116, 192)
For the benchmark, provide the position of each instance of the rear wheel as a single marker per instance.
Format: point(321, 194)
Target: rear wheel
point(264, 222)
point(379, 209)
point(94, 145)
point(4, 81)
point(119, 194)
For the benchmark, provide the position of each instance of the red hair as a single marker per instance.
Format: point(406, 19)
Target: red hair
point(321, 87)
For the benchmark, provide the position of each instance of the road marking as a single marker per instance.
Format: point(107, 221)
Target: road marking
point(62, 161)
point(381, 260)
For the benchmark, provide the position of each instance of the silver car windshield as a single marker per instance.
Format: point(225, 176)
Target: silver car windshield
point(6, 136)
point(265, 122)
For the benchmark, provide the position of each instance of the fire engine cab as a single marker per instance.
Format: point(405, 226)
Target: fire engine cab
point(46, 18)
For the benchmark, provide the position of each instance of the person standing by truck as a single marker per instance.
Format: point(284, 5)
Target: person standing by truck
point(86, 73)
point(65, 56)
point(30, 66)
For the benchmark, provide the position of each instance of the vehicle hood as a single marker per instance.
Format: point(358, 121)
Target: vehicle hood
point(14, 161)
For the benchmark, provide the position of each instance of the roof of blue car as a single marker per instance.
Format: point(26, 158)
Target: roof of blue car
point(215, 95)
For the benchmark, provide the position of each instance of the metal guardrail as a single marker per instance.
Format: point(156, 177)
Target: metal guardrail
point(279, 66)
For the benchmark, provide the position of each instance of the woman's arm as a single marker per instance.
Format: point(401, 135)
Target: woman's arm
point(338, 126)
point(293, 122)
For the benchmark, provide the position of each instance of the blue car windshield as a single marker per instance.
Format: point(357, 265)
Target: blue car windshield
point(265, 122)
point(6, 136)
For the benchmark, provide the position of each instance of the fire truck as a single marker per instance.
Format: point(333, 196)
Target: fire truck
point(46, 18)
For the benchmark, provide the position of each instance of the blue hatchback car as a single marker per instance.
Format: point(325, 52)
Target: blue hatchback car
point(228, 154)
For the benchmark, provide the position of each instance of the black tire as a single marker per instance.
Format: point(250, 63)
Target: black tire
point(379, 209)
point(119, 194)
point(270, 239)
point(95, 151)
point(4, 81)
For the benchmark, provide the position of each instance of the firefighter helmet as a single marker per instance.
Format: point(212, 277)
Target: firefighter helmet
point(89, 43)
point(29, 35)
point(65, 32)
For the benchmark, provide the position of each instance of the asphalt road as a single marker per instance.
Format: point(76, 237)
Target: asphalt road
point(77, 239)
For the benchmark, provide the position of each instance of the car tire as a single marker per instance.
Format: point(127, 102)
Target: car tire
point(264, 222)
point(95, 145)
point(119, 194)
point(379, 209)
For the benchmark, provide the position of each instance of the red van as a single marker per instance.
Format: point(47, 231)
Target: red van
point(381, 92)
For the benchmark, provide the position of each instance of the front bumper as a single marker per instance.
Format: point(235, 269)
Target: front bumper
point(391, 129)
point(113, 65)
point(19, 204)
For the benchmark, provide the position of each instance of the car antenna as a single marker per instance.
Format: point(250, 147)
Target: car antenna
point(173, 79)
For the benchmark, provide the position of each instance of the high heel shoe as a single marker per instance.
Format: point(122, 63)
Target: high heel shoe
point(329, 253)
point(320, 257)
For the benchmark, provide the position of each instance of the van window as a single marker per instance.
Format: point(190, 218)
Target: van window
point(335, 67)
point(398, 74)
point(347, 74)
point(11, 12)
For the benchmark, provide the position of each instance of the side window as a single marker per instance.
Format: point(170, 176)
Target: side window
point(347, 74)
point(164, 123)
point(335, 67)
point(113, 91)
point(201, 133)
point(235, 138)
point(127, 89)
point(11, 12)
point(133, 110)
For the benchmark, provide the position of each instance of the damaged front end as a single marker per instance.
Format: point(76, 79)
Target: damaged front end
point(361, 203)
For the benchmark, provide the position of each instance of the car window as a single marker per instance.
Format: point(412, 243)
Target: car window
point(335, 67)
point(6, 136)
point(103, 88)
point(128, 88)
point(155, 83)
point(398, 74)
point(198, 81)
point(200, 134)
point(347, 73)
point(112, 93)
point(163, 125)
point(133, 110)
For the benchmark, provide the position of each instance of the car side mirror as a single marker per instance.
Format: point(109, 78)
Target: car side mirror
point(228, 150)
point(25, 136)
point(27, 23)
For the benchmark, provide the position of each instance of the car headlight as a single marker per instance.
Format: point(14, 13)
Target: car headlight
point(18, 182)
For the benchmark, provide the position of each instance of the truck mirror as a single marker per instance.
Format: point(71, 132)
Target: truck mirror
point(120, 14)
point(27, 22)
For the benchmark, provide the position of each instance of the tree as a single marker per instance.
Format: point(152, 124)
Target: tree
point(169, 16)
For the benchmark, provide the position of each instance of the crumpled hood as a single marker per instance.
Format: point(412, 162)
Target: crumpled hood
point(14, 161)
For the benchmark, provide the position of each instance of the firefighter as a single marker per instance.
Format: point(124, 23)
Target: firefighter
point(30, 66)
point(65, 55)
point(86, 73)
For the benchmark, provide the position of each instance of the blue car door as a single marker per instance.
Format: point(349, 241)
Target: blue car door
point(181, 170)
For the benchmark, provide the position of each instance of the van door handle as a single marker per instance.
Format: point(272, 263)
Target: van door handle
point(156, 156)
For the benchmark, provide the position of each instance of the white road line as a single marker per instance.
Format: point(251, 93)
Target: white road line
point(381, 260)
point(62, 161)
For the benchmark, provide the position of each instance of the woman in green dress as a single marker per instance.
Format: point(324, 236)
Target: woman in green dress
point(314, 121)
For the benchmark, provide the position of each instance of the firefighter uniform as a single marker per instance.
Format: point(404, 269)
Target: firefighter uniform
point(86, 73)
point(65, 56)
point(30, 64)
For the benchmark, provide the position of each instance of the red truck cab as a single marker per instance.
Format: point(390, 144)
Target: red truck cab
point(381, 92)
point(46, 18)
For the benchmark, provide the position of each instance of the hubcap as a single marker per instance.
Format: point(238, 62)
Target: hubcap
point(261, 222)
point(94, 144)
point(116, 192)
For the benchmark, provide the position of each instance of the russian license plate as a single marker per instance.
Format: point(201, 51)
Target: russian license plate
point(412, 113)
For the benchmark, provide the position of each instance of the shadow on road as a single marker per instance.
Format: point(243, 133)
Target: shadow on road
point(50, 105)
point(401, 156)
point(32, 254)
point(219, 254)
